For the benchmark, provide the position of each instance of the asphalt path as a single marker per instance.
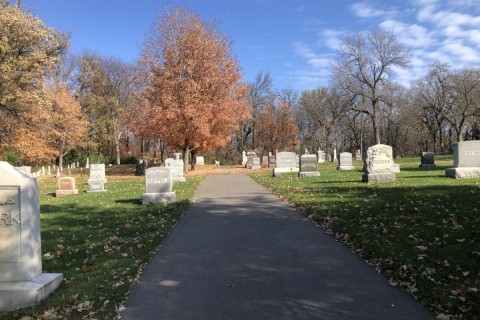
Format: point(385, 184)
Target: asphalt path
point(242, 253)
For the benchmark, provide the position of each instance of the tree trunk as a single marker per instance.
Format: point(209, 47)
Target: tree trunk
point(186, 154)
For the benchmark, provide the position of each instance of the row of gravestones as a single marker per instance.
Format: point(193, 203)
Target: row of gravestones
point(379, 165)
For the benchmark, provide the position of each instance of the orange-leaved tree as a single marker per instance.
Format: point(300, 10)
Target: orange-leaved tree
point(195, 95)
point(276, 128)
point(67, 122)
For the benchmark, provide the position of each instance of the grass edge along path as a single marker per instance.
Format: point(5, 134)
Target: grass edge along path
point(422, 231)
point(100, 242)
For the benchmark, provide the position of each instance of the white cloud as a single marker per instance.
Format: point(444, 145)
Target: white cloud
point(364, 10)
point(412, 35)
point(331, 38)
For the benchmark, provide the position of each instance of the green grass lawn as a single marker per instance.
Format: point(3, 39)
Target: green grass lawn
point(100, 242)
point(422, 231)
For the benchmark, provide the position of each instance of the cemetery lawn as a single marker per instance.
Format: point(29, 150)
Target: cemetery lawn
point(101, 243)
point(422, 231)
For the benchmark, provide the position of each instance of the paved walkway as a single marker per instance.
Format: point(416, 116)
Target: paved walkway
point(241, 253)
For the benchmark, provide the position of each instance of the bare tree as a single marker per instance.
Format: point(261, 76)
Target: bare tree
point(430, 98)
point(365, 63)
point(464, 100)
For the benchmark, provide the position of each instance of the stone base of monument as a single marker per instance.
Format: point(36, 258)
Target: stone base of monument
point(158, 198)
point(463, 173)
point(427, 166)
point(396, 168)
point(379, 177)
point(278, 171)
point(256, 167)
point(346, 168)
point(96, 185)
point(308, 174)
point(19, 294)
point(63, 193)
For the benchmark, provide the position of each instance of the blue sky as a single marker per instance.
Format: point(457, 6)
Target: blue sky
point(293, 40)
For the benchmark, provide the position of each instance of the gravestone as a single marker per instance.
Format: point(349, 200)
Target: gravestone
point(22, 282)
point(466, 160)
point(271, 161)
point(140, 168)
point(25, 169)
point(256, 163)
point(378, 164)
point(427, 160)
point(158, 186)
point(395, 168)
point(87, 165)
point(250, 156)
point(345, 161)
point(97, 179)
point(176, 168)
point(285, 162)
point(200, 161)
point(244, 158)
point(321, 156)
point(66, 187)
point(308, 166)
point(358, 155)
point(264, 161)
point(334, 154)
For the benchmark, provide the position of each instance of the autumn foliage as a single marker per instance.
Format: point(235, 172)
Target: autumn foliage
point(276, 128)
point(195, 97)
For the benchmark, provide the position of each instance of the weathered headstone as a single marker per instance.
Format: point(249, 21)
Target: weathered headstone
point(308, 166)
point(25, 169)
point(334, 154)
point(395, 168)
point(200, 161)
point(378, 164)
point(249, 162)
point(271, 161)
point(97, 179)
point(176, 168)
point(427, 160)
point(158, 186)
point(345, 161)
point(285, 162)
point(87, 165)
point(358, 155)
point(66, 187)
point(264, 161)
point(466, 160)
point(321, 156)
point(256, 163)
point(244, 158)
point(22, 282)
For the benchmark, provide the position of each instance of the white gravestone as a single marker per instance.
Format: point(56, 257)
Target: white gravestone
point(22, 282)
point(321, 156)
point(66, 187)
point(176, 167)
point(158, 186)
point(200, 161)
point(256, 163)
point(345, 161)
point(285, 162)
point(244, 158)
point(308, 166)
point(378, 164)
point(97, 179)
point(466, 160)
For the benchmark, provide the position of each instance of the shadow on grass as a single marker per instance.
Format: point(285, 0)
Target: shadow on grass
point(132, 201)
